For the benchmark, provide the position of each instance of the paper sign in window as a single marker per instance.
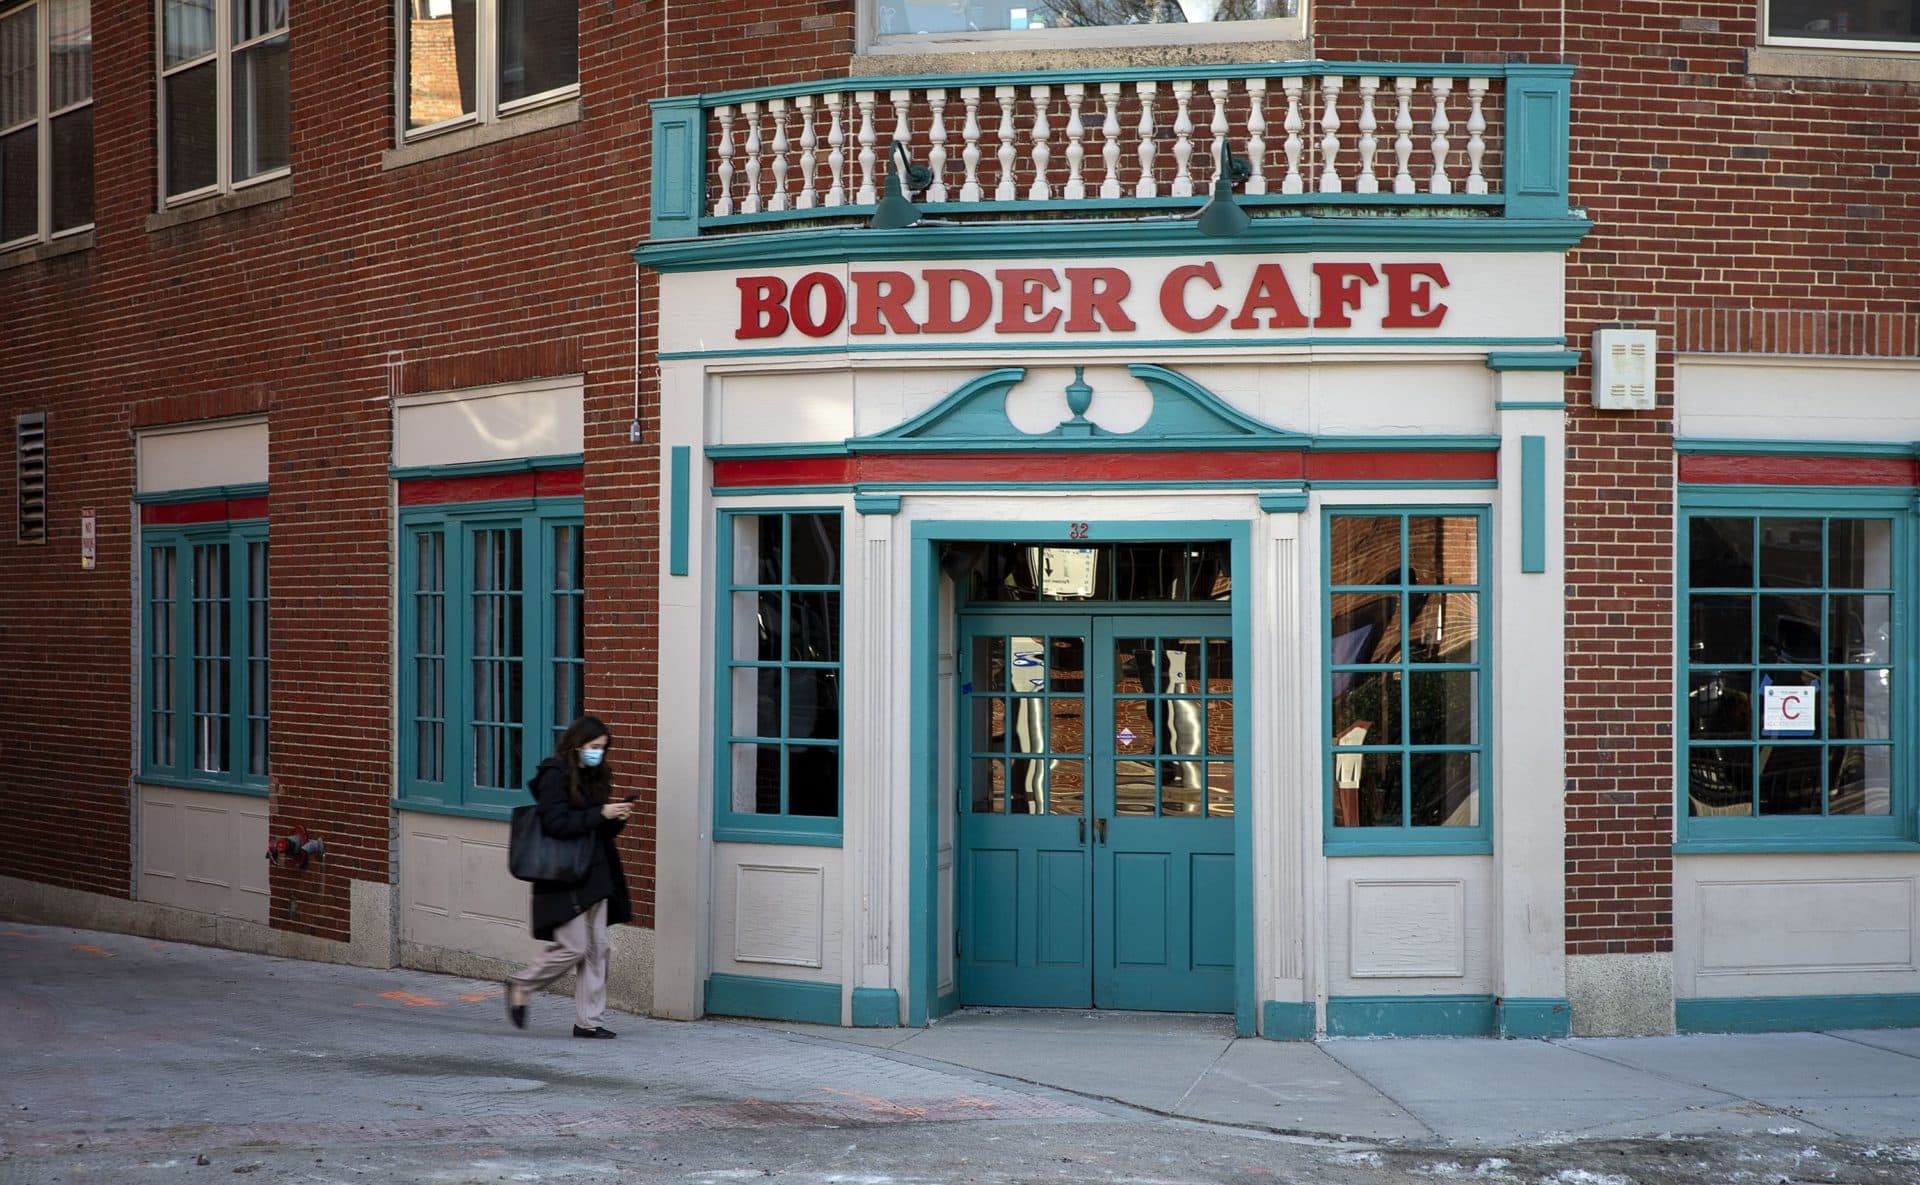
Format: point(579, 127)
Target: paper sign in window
point(1790, 708)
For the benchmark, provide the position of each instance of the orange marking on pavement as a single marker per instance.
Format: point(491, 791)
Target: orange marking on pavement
point(879, 1106)
point(88, 948)
point(20, 934)
point(476, 997)
point(363, 1004)
point(413, 1001)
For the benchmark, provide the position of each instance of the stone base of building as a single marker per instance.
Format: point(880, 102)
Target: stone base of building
point(1621, 995)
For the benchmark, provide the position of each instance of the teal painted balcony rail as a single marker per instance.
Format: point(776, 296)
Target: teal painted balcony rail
point(1484, 139)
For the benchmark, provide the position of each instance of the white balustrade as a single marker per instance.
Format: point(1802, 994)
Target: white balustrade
point(777, 108)
point(808, 162)
point(937, 144)
point(1041, 189)
point(750, 203)
point(1327, 131)
point(1440, 182)
point(1076, 187)
point(1183, 140)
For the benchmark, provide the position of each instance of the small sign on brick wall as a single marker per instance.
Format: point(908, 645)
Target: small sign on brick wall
point(88, 535)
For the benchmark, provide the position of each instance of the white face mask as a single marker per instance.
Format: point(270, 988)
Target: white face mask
point(592, 757)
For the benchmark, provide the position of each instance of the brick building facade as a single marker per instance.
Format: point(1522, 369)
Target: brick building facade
point(426, 337)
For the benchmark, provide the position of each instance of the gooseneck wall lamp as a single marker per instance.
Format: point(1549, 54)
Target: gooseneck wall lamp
point(896, 211)
point(1222, 217)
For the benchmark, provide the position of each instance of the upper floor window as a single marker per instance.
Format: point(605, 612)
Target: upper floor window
point(1843, 24)
point(1407, 677)
point(46, 120)
point(473, 61)
point(223, 95)
point(935, 25)
point(1793, 649)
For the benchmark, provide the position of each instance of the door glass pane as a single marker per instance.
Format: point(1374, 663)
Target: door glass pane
point(1790, 629)
point(1219, 728)
point(813, 626)
point(814, 540)
point(440, 61)
point(1210, 572)
point(1067, 664)
point(1444, 627)
point(813, 780)
point(1365, 550)
point(757, 624)
point(1720, 629)
point(1720, 553)
point(1860, 628)
point(989, 786)
point(1183, 788)
point(1133, 787)
point(756, 779)
point(1027, 660)
point(1027, 786)
point(1860, 704)
point(1132, 732)
point(1066, 788)
point(1067, 725)
point(813, 703)
point(1366, 708)
point(1366, 628)
point(989, 671)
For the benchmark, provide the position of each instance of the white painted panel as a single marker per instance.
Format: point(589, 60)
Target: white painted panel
point(1806, 925)
point(795, 940)
point(1381, 398)
point(778, 915)
point(216, 453)
point(1785, 923)
point(1407, 929)
point(1740, 398)
point(455, 891)
point(1374, 907)
point(790, 405)
point(203, 851)
point(534, 419)
point(485, 893)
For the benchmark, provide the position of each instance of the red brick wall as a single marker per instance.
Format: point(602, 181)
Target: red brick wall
point(503, 262)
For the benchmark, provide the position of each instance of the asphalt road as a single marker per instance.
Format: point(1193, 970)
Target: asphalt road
point(128, 1060)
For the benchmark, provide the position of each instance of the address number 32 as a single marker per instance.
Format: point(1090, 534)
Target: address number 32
point(1076, 530)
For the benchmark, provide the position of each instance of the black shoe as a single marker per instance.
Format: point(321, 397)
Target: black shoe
point(517, 1013)
point(601, 1034)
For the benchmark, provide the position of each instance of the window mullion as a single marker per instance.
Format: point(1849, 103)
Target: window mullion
point(238, 653)
point(486, 61)
point(223, 96)
point(183, 662)
point(458, 639)
point(43, 102)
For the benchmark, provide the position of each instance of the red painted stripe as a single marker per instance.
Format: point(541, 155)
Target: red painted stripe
point(1800, 471)
point(238, 508)
point(784, 471)
point(559, 483)
point(1401, 466)
point(180, 514)
point(434, 491)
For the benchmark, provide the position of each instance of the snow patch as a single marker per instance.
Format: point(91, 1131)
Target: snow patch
point(1370, 1159)
point(1442, 1168)
point(1783, 1131)
point(1583, 1177)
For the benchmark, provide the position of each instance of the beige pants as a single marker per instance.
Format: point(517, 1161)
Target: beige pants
point(581, 944)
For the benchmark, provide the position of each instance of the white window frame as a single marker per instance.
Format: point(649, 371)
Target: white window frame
point(43, 120)
point(487, 107)
point(870, 41)
point(222, 55)
point(1829, 43)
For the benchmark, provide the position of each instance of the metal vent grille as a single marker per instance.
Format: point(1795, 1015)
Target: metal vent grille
point(30, 453)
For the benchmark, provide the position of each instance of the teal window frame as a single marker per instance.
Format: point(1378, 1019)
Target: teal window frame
point(744, 826)
point(548, 579)
point(1805, 833)
point(1406, 838)
point(173, 694)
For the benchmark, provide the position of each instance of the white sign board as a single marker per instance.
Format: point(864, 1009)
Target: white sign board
point(1789, 708)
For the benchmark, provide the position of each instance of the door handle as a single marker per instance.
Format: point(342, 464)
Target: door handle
point(1100, 829)
point(1083, 830)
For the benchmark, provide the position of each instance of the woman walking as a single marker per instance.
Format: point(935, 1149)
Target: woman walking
point(573, 792)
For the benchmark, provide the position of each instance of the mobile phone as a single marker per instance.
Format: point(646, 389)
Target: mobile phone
point(631, 798)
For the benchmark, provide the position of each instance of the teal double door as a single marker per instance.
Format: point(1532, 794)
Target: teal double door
point(1095, 860)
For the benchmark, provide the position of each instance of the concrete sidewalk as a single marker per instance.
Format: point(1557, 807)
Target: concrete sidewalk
point(1856, 1084)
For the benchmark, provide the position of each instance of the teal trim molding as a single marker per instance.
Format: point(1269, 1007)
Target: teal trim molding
point(256, 489)
point(1410, 1016)
point(773, 999)
point(1532, 359)
point(887, 504)
point(1784, 1014)
point(1533, 503)
point(1796, 448)
point(1062, 239)
point(1538, 1016)
point(1530, 405)
point(486, 468)
point(876, 1008)
point(1284, 502)
point(177, 783)
point(680, 500)
point(1132, 346)
point(1286, 1020)
point(420, 807)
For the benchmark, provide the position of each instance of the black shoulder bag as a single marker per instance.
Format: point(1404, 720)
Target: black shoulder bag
point(533, 855)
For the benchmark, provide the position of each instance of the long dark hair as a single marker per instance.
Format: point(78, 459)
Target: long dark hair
point(584, 785)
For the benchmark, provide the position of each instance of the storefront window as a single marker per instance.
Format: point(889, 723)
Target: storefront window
point(781, 695)
point(1407, 676)
point(1847, 24)
point(1791, 674)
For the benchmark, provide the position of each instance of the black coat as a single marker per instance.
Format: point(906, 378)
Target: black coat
point(555, 903)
